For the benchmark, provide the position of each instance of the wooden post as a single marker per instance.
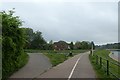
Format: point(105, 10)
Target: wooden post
point(107, 67)
point(92, 50)
point(100, 61)
point(96, 59)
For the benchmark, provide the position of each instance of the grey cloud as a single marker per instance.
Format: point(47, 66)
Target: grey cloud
point(71, 21)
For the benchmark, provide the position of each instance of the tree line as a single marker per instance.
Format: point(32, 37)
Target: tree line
point(109, 46)
point(35, 40)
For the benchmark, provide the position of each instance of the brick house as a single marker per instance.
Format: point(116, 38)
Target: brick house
point(60, 45)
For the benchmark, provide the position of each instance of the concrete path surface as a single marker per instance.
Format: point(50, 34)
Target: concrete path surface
point(78, 66)
point(36, 65)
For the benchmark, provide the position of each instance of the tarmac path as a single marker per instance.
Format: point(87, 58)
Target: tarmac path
point(37, 64)
point(39, 68)
point(78, 66)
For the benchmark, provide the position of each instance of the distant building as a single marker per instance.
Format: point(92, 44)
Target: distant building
point(61, 45)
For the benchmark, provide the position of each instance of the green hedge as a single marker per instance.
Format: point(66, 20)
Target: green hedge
point(13, 40)
point(10, 66)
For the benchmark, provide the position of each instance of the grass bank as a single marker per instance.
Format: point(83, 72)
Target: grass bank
point(101, 71)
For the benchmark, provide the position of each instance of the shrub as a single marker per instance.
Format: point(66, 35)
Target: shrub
point(13, 56)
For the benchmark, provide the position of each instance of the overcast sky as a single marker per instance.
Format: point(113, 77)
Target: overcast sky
point(71, 20)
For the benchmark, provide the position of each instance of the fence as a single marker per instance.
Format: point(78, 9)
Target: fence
point(106, 64)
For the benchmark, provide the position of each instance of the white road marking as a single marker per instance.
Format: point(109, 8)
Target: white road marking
point(74, 67)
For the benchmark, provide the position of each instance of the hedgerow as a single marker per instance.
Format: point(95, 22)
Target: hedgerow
point(13, 55)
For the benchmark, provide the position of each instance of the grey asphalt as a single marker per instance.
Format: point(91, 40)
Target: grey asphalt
point(37, 64)
point(83, 68)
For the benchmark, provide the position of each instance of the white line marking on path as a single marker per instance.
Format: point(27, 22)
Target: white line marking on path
point(75, 67)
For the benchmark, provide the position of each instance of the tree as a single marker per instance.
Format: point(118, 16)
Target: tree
point(34, 40)
point(93, 45)
point(13, 41)
point(38, 41)
point(51, 42)
point(77, 45)
point(29, 36)
point(82, 45)
point(50, 45)
point(85, 45)
point(71, 46)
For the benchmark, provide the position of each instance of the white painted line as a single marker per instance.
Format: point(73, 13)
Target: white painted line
point(74, 67)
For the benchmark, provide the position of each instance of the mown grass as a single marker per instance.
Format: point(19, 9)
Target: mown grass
point(52, 51)
point(57, 57)
point(101, 72)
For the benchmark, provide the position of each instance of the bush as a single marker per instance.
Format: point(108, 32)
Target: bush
point(13, 56)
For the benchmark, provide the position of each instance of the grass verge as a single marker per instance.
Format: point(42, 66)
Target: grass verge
point(60, 56)
point(52, 51)
point(55, 58)
point(100, 71)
